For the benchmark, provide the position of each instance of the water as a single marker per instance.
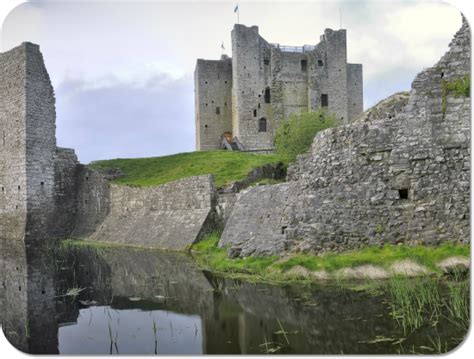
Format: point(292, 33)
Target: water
point(130, 301)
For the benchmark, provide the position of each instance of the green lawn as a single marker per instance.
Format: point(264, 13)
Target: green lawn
point(226, 166)
point(272, 268)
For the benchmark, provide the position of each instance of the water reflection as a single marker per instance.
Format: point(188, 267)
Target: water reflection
point(130, 301)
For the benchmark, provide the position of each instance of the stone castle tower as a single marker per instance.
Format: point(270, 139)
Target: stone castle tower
point(241, 101)
point(41, 185)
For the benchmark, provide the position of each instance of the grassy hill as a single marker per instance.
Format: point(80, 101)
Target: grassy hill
point(226, 166)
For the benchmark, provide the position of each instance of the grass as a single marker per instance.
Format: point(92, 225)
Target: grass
point(226, 166)
point(273, 269)
point(210, 256)
point(412, 300)
point(415, 302)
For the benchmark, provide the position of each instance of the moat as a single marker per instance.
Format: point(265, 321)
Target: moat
point(88, 300)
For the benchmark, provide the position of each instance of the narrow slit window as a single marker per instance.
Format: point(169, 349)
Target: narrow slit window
point(324, 100)
point(218, 110)
point(254, 113)
point(267, 95)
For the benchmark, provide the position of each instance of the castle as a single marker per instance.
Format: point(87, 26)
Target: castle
point(240, 101)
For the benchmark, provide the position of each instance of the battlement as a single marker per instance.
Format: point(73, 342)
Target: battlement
point(267, 82)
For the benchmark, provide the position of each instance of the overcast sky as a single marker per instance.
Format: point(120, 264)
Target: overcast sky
point(123, 72)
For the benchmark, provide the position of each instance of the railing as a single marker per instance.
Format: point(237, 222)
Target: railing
point(300, 49)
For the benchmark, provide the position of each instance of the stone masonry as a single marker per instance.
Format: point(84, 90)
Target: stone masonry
point(394, 180)
point(402, 179)
point(46, 193)
point(248, 96)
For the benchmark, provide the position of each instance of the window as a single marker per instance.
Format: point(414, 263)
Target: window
point(254, 113)
point(267, 95)
point(304, 65)
point(262, 125)
point(320, 63)
point(258, 105)
point(218, 110)
point(403, 193)
point(266, 61)
point(324, 100)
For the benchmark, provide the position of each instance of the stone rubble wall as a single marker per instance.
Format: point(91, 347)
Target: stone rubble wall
point(395, 180)
point(171, 216)
point(12, 144)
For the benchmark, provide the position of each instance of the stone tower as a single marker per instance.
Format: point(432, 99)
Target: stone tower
point(28, 143)
point(248, 96)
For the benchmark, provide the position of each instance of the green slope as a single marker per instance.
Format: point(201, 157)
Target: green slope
point(226, 166)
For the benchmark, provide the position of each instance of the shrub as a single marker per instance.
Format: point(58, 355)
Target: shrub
point(295, 135)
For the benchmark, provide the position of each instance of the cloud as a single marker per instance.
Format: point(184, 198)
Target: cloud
point(121, 119)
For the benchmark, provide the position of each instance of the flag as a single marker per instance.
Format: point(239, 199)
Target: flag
point(236, 8)
point(222, 46)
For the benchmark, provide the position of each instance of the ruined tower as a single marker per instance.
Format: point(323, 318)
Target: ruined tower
point(27, 119)
point(246, 98)
point(38, 180)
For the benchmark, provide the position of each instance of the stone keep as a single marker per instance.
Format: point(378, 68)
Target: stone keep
point(249, 95)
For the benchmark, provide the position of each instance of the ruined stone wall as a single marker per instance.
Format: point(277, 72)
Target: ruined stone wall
point(170, 216)
point(213, 102)
point(40, 117)
point(397, 180)
point(65, 192)
point(28, 144)
point(37, 179)
point(12, 143)
point(92, 203)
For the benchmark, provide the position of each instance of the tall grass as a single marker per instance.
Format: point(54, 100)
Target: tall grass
point(412, 300)
point(418, 301)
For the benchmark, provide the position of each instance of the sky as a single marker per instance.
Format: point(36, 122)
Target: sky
point(123, 71)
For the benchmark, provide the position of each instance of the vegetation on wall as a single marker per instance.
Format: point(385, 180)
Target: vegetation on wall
point(226, 166)
point(460, 87)
point(296, 135)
